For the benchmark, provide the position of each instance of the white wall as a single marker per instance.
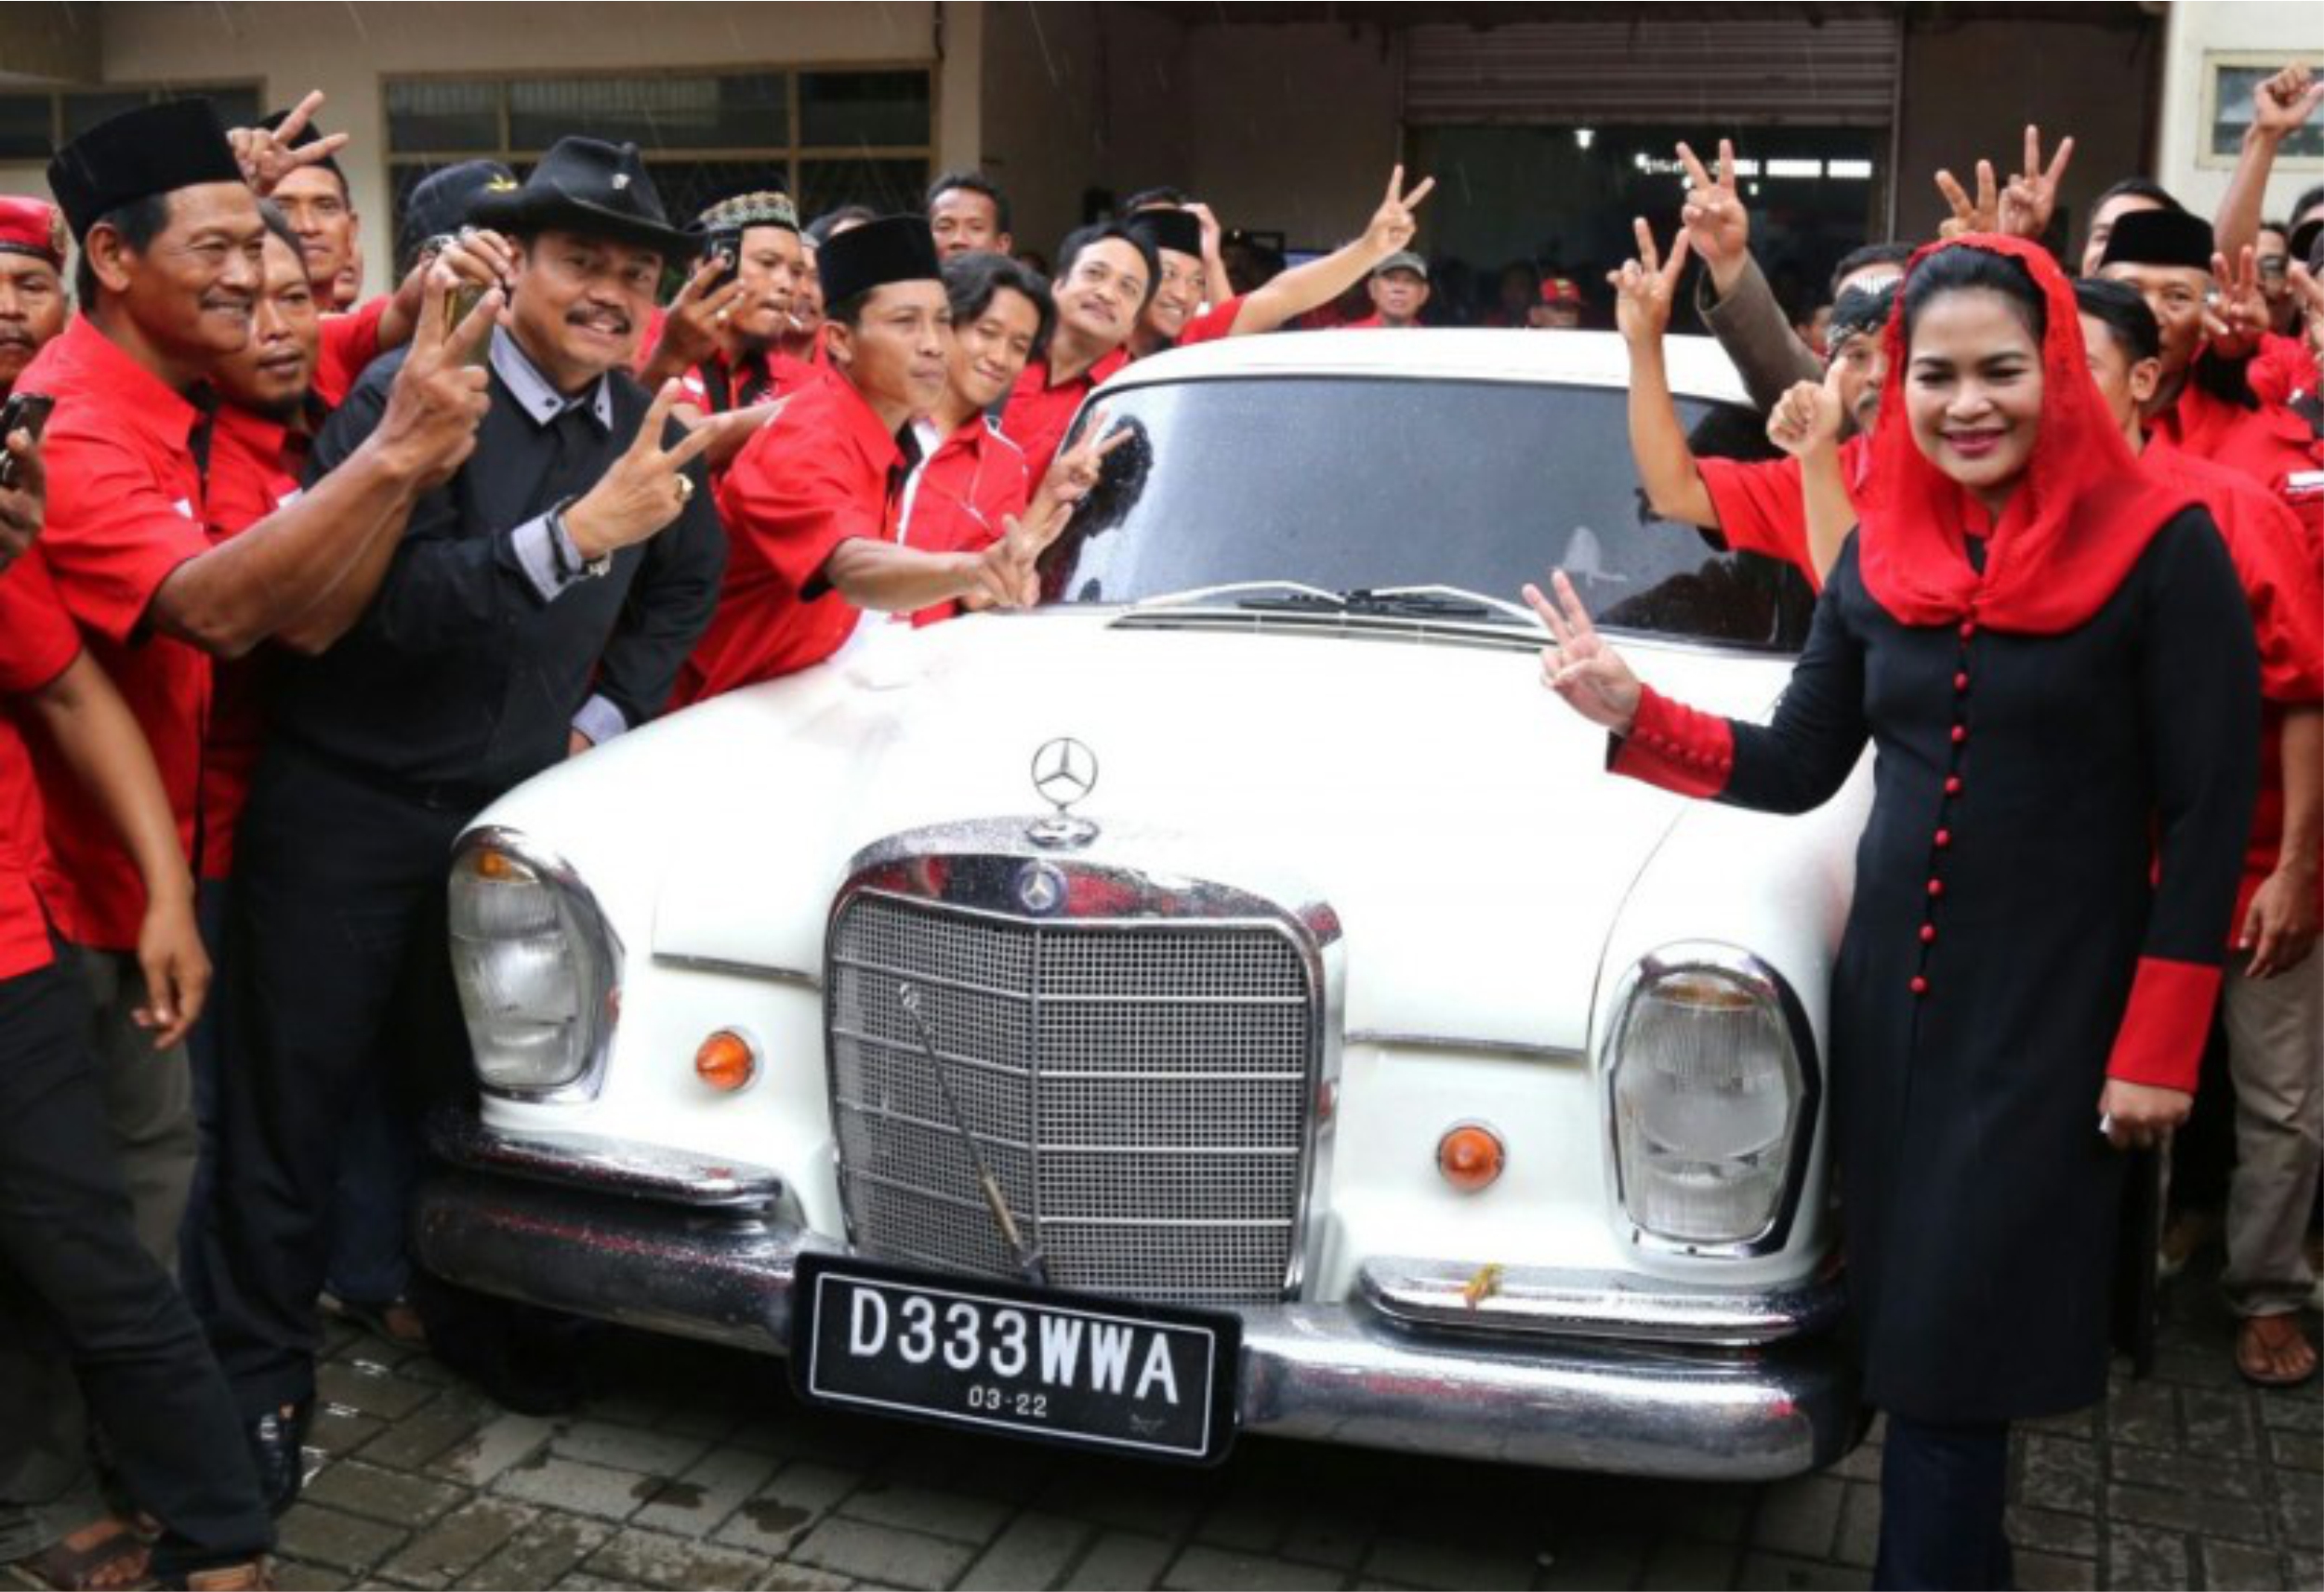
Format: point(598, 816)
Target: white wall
point(344, 49)
point(2282, 32)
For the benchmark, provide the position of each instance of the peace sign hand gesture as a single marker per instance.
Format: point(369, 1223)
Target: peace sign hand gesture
point(1392, 226)
point(1646, 287)
point(441, 391)
point(2032, 195)
point(1589, 675)
point(266, 154)
point(1073, 475)
point(1718, 226)
point(645, 489)
point(2237, 319)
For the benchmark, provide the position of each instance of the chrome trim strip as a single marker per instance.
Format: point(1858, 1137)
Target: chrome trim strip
point(588, 1084)
point(1325, 1373)
point(1400, 1039)
point(1599, 1304)
point(1764, 981)
point(737, 970)
point(622, 1167)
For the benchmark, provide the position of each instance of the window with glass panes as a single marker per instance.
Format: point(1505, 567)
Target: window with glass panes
point(831, 136)
point(33, 123)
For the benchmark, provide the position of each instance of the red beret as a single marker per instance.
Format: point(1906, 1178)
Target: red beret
point(1559, 290)
point(32, 226)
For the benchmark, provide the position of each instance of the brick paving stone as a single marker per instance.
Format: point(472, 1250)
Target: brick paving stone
point(2048, 1573)
point(2143, 1559)
point(2059, 1473)
point(313, 1534)
point(567, 1484)
point(2147, 1414)
point(1780, 1571)
point(648, 1558)
point(1200, 1567)
point(2300, 1514)
point(578, 1582)
point(2184, 1473)
point(2074, 1422)
point(781, 1512)
point(700, 1500)
point(371, 1389)
point(1710, 1513)
point(389, 1495)
point(961, 1519)
point(2219, 1425)
point(550, 1547)
point(2188, 1512)
point(292, 1576)
point(883, 1554)
point(1689, 1564)
point(337, 1429)
point(628, 1447)
point(1122, 1561)
point(1163, 1510)
point(801, 1578)
point(1450, 1564)
point(1599, 1562)
point(2307, 1568)
point(453, 1415)
point(1033, 1553)
point(1243, 1525)
point(2292, 1409)
point(1860, 1526)
point(2238, 1564)
point(500, 1442)
point(1800, 1517)
point(2294, 1450)
point(1337, 1539)
point(2052, 1531)
point(459, 1542)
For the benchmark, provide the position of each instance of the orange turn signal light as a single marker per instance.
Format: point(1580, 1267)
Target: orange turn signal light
point(501, 867)
point(1471, 1157)
point(727, 1061)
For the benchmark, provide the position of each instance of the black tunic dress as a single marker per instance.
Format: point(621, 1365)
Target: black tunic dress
point(2049, 812)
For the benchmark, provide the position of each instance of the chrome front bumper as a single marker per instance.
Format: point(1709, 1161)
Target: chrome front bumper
point(1545, 1369)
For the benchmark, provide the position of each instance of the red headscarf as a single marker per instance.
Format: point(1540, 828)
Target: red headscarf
point(2080, 516)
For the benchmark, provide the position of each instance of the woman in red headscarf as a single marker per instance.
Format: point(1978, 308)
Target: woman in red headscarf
point(2054, 659)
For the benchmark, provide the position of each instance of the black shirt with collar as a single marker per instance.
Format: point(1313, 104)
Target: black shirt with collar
point(485, 641)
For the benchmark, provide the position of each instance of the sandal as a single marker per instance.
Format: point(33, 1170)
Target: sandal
point(104, 1555)
point(2263, 1342)
point(396, 1321)
point(252, 1575)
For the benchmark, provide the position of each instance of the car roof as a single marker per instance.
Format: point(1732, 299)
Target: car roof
point(1698, 367)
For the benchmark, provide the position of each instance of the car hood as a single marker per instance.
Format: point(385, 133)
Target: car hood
point(1455, 818)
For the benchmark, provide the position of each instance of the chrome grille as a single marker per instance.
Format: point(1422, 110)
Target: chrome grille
point(1139, 1090)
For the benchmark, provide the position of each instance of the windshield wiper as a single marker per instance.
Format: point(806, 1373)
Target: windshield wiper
point(1371, 603)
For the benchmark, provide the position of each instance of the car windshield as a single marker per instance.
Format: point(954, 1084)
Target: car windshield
point(1348, 483)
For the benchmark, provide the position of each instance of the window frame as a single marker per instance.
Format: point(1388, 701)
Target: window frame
point(154, 91)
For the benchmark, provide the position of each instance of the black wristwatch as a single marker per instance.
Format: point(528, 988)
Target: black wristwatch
point(560, 539)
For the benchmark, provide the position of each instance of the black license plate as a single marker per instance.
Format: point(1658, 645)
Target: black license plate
point(1067, 1368)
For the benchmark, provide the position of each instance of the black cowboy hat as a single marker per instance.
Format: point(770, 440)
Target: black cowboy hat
point(586, 186)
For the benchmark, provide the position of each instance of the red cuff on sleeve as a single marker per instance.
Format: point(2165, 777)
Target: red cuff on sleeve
point(2161, 1042)
point(1674, 747)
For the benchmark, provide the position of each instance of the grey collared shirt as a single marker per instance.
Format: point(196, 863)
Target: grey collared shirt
point(547, 556)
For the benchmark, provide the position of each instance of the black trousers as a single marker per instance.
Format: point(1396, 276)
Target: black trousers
point(1943, 1492)
point(73, 1272)
point(341, 979)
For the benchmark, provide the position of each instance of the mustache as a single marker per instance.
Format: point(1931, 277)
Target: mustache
point(21, 336)
point(620, 318)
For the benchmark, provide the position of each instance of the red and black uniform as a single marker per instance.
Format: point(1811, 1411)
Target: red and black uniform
point(126, 508)
point(719, 385)
point(1040, 411)
point(829, 473)
point(2050, 697)
point(962, 497)
point(1763, 505)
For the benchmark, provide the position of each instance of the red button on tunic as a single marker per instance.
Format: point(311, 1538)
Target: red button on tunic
point(1960, 734)
point(1944, 838)
point(1919, 986)
point(1968, 629)
point(124, 509)
point(1928, 934)
point(1937, 886)
point(1961, 682)
point(1952, 785)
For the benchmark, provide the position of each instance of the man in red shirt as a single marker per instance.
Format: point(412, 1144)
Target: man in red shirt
point(2205, 405)
point(1559, 306)
point(1173, 316)
point(1398, 289)
point(33, 305)
point(968, 214)
point(811, 505)
point(2273, 996)
point(722, 336)
point(1105, 278)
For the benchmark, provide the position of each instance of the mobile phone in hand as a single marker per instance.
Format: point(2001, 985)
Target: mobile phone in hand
point(26, 412)
point(465, 299)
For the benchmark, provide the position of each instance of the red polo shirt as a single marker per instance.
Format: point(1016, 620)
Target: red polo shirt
point(252, 474)
point(828, 473)
point(1212, 323)
point(961, 499)
point(125, 510)
point(2282, 585)
point(37, 643)
point(350, 342)
point(2270, 444)
point(1040, 411)
point(1762, 505)
point(718, 385)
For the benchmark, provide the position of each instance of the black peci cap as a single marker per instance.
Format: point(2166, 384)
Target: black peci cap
point(2159, 238)
point(1177, 231)
point(893, 248)
point(153, 148)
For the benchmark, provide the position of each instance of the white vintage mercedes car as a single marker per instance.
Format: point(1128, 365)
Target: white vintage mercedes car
point(1231, 997)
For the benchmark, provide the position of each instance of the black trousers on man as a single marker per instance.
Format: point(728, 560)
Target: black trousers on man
point(73, 1277)
point(341, 976)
